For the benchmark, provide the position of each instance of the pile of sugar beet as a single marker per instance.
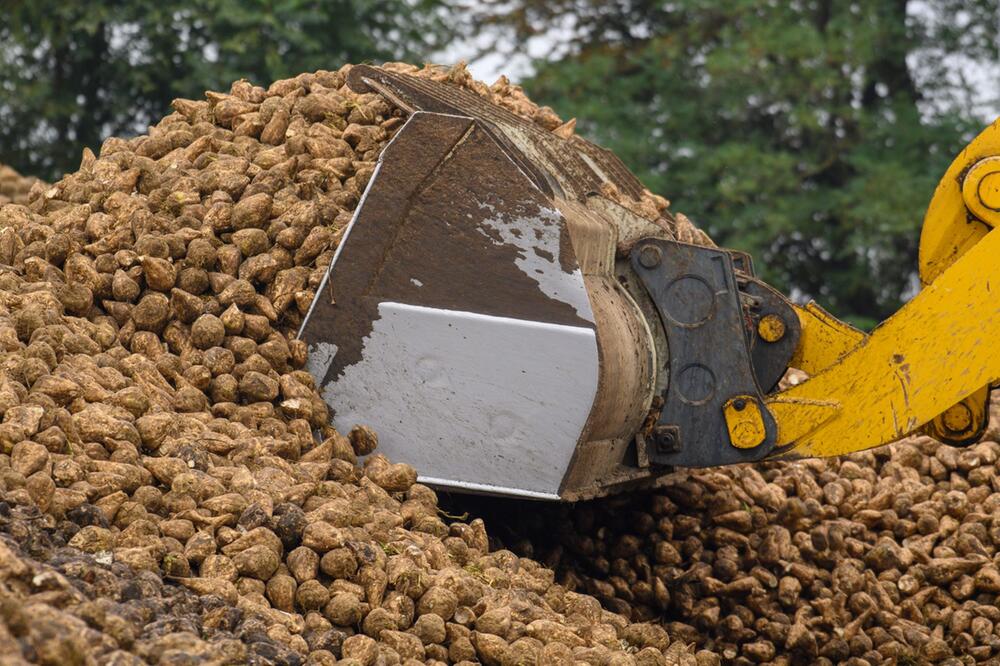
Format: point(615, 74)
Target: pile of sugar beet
point(14, 188)
point(889, 556)
point(170, 489)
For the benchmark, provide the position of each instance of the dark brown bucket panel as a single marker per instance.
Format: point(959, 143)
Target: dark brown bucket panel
point(568, 168)
point(448, 222)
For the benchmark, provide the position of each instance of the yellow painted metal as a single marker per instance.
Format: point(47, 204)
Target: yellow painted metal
point(949, 230)
point(963, 422)
point(981, 190)
point(771, 328)
point(797, 418)
point(867, 392)
point(964, 208)
point(957, 418)
point(824, 339)
point(744, 422)
point(937, 350)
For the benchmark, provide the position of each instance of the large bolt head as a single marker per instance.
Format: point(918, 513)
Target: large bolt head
point(989, 191)
point(958, 418)
point(650, 256)
point(771, 328)
point(981, 190)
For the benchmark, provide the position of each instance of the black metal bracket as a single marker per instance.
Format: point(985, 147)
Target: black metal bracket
point(769, 358)
point(698, 298)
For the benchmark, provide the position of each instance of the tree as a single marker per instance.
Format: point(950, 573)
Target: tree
point(810, 133)
point(73, 73)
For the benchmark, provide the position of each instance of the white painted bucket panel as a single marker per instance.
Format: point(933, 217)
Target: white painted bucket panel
point(472, 401)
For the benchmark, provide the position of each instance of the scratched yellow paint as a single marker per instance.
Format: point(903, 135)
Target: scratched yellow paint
point(938, 349)
point(824, 339)
point(771, 328)
point(744, 422)
point(981, 190)
point(965, 206)
point(931, 362)
point(962, 421)
point(948, 232)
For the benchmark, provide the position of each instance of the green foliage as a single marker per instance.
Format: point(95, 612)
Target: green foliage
point(798, 131)
point(72, 73)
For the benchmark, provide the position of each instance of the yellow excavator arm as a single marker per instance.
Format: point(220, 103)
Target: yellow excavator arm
point(932, 364)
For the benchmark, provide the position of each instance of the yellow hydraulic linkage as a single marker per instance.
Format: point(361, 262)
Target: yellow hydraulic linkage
point(966, 205)
point(824, 339)
point(931, 364)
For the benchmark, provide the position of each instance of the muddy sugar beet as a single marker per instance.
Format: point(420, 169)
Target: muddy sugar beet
point(165, 452)
point(15, 188)
point(882, 557)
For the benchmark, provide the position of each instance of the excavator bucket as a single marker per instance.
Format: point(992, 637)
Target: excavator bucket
point(462, 318)
point(472, 311)
point(509, 327)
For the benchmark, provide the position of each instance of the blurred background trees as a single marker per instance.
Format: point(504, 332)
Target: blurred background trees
point(73, 73)
point(810, 133)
